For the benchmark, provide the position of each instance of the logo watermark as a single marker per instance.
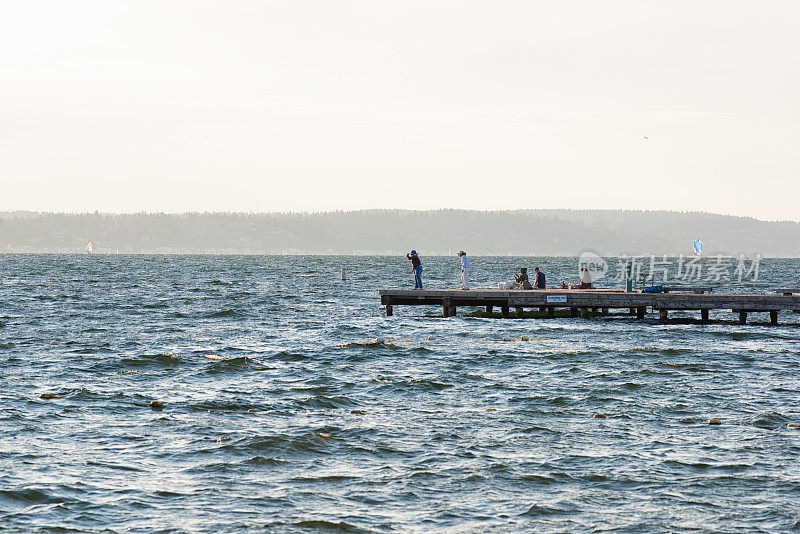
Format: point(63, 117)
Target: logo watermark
point(666, 268)
point(597, 265)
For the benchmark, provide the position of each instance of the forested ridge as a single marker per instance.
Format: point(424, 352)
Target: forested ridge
point(520, 232)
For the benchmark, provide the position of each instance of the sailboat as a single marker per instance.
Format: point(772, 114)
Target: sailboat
point(698, 247)
point(89, 247)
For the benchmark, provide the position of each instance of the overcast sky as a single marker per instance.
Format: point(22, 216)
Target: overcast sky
point(321, 105)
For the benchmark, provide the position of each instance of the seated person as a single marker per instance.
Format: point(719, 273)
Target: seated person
point(541, 280)
point(521, 279)
point(586, 281)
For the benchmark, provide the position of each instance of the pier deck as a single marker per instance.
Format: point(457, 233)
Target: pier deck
point(581, 301)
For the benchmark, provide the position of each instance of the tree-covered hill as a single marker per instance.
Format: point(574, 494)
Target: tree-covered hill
point(540, 232)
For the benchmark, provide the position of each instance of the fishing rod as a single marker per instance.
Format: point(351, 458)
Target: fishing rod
point(501, 260)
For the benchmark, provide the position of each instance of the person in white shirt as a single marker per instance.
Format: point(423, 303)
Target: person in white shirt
point(464, 270)
point(586, 279)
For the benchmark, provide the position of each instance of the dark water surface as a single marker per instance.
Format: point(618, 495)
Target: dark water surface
point(282, 413)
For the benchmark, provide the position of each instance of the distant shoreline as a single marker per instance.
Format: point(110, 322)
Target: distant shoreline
point(521, 233)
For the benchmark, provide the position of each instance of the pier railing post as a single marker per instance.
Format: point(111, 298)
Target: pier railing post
point(389, 310)
point(773, 317)
point(519, 311)
point(504, 310)
point(742, 317)
point(703, 316)
point(662, 314)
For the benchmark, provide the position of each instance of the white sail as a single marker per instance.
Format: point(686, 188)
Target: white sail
point(89, 247)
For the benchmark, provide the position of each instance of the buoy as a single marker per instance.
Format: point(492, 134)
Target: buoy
point(156, 404)
point(344, 273)
point(599, 416)
point(714, 422)
point(793, 425)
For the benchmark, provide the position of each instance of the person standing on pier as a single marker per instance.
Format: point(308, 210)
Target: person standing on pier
point(464, 270)
point(416, 268)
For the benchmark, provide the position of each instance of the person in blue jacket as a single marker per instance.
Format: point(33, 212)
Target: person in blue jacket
point(416, 268)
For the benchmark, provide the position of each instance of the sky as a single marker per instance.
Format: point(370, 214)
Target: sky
point(255, 105)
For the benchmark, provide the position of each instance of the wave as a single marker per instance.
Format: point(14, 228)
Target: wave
point(542, 480)
point(688, 366)
point(281, 444)
point(288, 356)
point(160, 360)
point(233, 405)
point(419, 384)
point(323, 478)
point(322, 402)
point(537, 510)
point(771, 420)
point(330, 526)
point(227, 365)
point(376, 343)
point(30, 496)
point(223, 313)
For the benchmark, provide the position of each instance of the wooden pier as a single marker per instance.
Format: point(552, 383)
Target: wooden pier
point(581, 301)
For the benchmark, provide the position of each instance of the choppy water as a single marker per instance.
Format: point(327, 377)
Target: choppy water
point(280, 414)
